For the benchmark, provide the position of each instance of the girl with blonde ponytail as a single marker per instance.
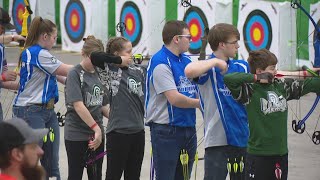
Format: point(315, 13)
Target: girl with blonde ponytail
point(38, 91)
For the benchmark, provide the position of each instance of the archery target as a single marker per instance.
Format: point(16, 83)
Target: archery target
point(17, 11)
point(75, 20)
point(133, 25)
point(197, 18)
point(197, 22)
point(130, 15)
point(315, 14)
point(257, 31)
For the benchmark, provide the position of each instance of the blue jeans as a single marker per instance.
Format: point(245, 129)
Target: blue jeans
point(40, 117)
point(167, 142)
point(216, 159)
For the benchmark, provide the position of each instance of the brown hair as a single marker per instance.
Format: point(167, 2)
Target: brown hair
point(115, 44)
point(38, 27)
point(171, 29)
point(91, 44)
point(261, 59)
point(221, 33)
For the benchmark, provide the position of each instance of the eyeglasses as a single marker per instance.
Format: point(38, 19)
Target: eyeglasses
point(188, 36)
point(233, 42)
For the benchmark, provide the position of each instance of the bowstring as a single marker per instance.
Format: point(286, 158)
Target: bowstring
point(297, 113)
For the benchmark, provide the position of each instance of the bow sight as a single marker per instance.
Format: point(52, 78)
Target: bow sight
point(138, 58)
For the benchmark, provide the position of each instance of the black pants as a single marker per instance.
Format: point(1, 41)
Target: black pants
point(236, 162)
point(77, 151)
point(124, 154)
point(267, 167)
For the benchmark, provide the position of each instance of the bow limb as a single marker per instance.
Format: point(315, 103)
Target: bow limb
point(300, 126)
point(25, 16)
point(297, 4)
point(24, 30)
point(204, 42)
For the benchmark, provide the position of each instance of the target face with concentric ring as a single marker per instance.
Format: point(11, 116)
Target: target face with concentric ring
point(17, 11)
point(257, 31)
point(131, 17)
point(75, 20)
point(197, 23)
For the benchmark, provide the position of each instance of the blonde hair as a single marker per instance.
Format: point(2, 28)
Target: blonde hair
point(91, 44)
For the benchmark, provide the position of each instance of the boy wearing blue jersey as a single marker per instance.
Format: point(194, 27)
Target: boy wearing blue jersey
point(226, 126)
point(170, 104)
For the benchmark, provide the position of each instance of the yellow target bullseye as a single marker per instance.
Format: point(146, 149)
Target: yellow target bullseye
point(74, 20)
point(129, 24)
point(20, 12)
point(194, 30)
point(256, 34)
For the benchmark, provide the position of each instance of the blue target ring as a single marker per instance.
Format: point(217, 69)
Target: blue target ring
point(17, 11)
point(257, 31)
point(131, 16)
point(75, 20)
point(197, 22)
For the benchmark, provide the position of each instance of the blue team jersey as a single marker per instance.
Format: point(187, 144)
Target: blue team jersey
point(232, 115)
point(158, 109)
point(38, 83)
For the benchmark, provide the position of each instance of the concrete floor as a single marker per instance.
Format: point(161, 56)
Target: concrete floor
point(304, 156)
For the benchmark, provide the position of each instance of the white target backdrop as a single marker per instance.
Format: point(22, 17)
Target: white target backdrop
point(268, 25)
point(204, 14)
point(132, 23)
point(75, 20)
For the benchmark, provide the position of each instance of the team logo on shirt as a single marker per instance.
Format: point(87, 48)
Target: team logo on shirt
point(225, 91)
point(134, 86)
point(54, 60)
point(274, 103)
point(95, 97)
point(110, 79)
point(184, 85)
